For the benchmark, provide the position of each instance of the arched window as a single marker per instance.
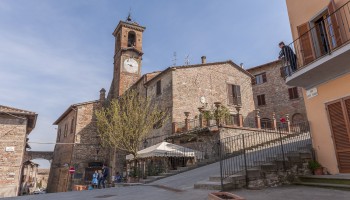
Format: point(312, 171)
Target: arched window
point(131, 39)
point(297, 118)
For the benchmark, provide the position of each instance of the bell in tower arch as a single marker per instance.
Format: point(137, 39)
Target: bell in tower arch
point(131, 39)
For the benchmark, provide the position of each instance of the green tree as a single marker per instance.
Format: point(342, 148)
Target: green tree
point(127, 121)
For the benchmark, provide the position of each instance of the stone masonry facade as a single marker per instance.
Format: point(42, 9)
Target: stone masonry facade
point(277, 97)
point(77, 133)
point(15, 125)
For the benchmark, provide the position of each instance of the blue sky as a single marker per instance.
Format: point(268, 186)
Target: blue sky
point(57, 53)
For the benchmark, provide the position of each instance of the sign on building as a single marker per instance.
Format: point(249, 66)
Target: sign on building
point(9, 149)
point(311, 93)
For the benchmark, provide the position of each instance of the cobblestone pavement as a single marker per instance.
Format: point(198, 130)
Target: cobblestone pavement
point(147, 192)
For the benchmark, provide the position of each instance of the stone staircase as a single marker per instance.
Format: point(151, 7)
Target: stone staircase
point(340, 181)
point(265, 171)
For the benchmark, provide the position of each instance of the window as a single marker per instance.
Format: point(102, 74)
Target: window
point(131, 39)
point(159, 87)
point(72, 126)
point(260, 79)
point(59, 135)
point(261, 100)
point(234, 95)
point(65, 130)
point(293, 93)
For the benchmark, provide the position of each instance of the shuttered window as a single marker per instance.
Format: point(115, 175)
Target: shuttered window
point(72, 126)
point(332, 26)
point(234, 94)
point(260, 79)
point(293, 93)
point(261, 100)
point(306, 47)
point(339, 113)
point(159, 87)
point(59, 135)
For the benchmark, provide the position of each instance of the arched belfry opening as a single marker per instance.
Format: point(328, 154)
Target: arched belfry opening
point(131, 39)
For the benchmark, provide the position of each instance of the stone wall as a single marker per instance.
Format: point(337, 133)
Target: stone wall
point(83, 134)
point(276, 94)
point(209, 81)
point(13, 136)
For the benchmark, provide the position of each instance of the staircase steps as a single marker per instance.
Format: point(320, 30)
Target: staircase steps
point(330, 181)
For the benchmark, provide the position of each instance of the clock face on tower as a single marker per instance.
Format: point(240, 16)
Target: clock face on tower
point(131, 65)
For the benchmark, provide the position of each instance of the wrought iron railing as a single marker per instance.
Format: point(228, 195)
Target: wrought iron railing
point(322, 38)
point(245, 151)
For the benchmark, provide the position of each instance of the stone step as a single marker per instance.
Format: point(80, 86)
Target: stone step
point(326, 185)
point(329, 179)
point(232, 178)
point(209, 185)
point(183, 168)
point(166, 174)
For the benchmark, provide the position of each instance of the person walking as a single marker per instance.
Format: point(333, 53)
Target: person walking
point(94, 180)
point(288, 54)
point(99, 179)
point(105, 174)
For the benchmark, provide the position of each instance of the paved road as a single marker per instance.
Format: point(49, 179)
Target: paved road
point(156, 193)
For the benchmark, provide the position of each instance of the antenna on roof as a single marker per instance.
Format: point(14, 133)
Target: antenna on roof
point(174, 58)
point(187, 59)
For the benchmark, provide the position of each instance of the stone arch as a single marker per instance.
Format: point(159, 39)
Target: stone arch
point(297, 118)
point(131, 39)
point(31, 155)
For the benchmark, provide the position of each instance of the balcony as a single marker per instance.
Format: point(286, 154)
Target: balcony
point(322, 50)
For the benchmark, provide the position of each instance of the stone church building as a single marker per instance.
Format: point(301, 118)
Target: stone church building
point(177, 89)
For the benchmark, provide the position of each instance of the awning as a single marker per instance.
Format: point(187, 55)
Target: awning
point(165, 149)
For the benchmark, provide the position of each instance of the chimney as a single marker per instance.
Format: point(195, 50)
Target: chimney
point(102, 95)
point(204, 59)
point(242, 66)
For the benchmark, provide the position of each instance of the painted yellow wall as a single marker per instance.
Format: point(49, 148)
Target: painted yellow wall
point(301, 11)
point(317, 115)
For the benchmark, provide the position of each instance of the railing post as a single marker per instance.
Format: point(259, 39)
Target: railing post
point(187, 125)
point(288, 123)
point(274, 123)
point(245, 161)
point(201, 118)
point(174, 127)
point(221, 160)
point(240, 120)
point(257, 119)
point(282, 149)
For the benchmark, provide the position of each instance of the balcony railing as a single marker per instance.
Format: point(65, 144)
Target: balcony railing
point(318, 38)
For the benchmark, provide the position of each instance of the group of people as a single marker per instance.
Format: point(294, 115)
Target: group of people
point(99, 178)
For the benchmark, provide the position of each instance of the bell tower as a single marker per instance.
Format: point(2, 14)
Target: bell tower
point(127, 56)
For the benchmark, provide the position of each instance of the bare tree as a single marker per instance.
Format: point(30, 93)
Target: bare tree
point(127, 121)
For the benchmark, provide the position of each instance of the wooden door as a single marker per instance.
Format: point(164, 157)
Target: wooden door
point(306, 47)
point(339, 113)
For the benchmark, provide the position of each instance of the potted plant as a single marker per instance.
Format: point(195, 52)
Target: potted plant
point(223, 195)
point(315, 167)
point(208, 115)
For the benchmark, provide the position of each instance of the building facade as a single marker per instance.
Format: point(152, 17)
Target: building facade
point(15, 126)
point(321, 36)
point(77, 146)
point(273, 96)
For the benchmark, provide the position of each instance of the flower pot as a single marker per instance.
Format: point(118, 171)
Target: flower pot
point(223, 195)
point(318, 171)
